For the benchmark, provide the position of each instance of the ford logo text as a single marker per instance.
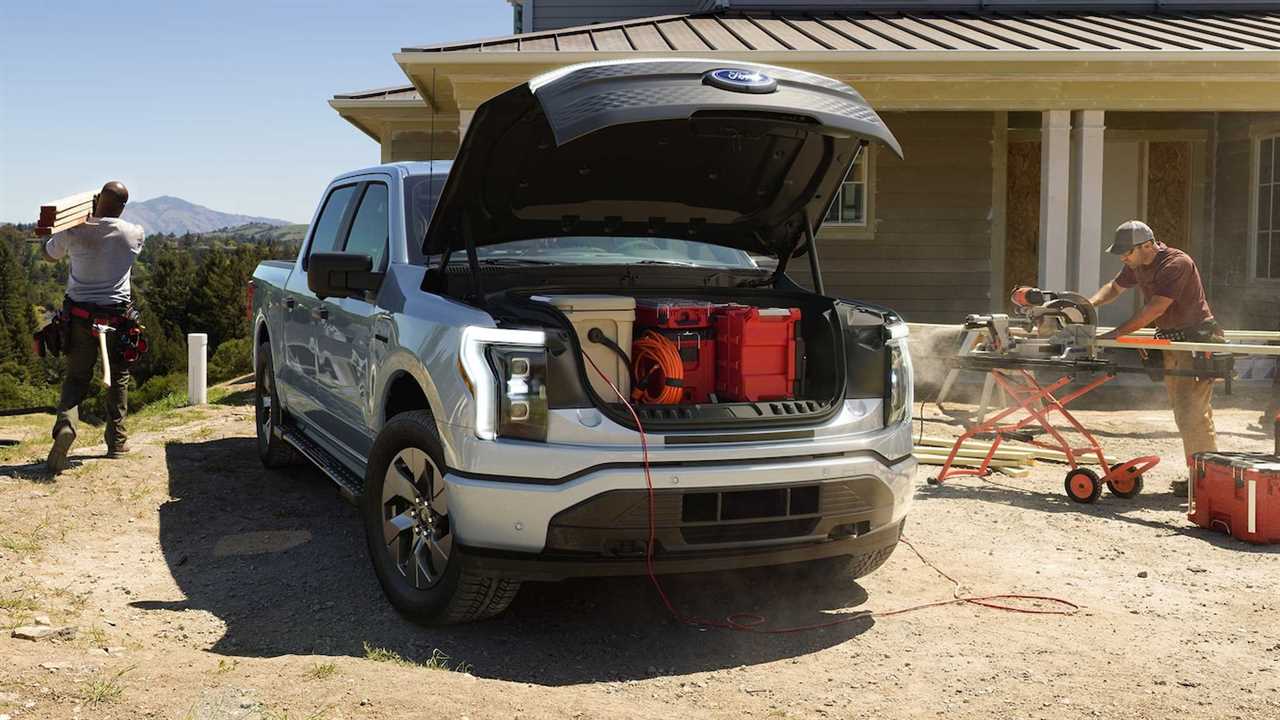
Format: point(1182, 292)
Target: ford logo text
point(740, 80)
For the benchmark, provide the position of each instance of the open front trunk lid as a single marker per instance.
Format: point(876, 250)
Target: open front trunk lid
point(730, 153)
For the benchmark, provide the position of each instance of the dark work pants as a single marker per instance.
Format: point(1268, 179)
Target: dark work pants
point(82, 357)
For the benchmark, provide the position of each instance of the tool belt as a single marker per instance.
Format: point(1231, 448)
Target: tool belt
point(1214, 365)
point(124, 319)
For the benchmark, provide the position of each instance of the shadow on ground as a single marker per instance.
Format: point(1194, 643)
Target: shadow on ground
point(280, 559)
point(1107, 506)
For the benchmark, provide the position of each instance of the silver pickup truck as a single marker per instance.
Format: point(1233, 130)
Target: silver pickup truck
point(480, 353)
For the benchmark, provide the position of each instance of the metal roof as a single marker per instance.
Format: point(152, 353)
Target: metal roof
point(406, 92)
point(1167, 29)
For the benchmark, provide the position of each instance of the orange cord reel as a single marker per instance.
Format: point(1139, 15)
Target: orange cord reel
point(657, 371)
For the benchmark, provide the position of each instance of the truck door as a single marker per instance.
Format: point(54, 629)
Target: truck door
point(346, 344)
point(303, 328)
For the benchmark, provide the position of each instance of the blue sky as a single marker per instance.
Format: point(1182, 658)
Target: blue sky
point(220, 103)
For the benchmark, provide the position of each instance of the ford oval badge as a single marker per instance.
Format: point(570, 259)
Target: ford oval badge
point(740, 80)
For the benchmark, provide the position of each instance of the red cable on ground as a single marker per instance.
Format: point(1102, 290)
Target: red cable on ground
point(751, 622)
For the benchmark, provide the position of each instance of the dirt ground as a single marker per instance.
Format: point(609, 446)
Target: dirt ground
point(201, 586)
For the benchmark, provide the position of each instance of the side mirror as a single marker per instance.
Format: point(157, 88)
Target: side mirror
point(340, 274)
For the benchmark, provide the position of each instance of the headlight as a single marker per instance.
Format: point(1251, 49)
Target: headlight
point(522, 391)
point(506, 372)
point(898, 391)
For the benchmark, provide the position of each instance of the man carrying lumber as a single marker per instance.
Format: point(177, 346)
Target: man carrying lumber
point(101, 254)
point(1174, 302)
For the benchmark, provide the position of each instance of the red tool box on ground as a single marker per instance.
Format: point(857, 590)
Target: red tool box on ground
point(1237, 493)
point(756, 353)
point(686, 323)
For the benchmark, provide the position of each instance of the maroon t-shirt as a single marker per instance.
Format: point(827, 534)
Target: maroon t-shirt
point(1172, 274)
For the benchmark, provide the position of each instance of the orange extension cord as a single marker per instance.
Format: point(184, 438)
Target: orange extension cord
point(653, 354)
point(751, 622)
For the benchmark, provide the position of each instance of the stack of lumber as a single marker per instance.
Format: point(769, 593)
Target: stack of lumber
point(1010, 459)
point(65, 213)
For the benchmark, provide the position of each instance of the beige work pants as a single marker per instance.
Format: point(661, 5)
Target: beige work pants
point(1192, 411)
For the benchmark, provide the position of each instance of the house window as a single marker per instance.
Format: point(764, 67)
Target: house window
point(850, 207)
point(1267, 220)
point(517, 12)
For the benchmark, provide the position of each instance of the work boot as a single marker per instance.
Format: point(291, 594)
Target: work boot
point(63, 437)
point(1179, 487)
point(115, 451)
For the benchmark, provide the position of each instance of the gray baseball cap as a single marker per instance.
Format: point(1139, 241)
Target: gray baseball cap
point(1130, 235)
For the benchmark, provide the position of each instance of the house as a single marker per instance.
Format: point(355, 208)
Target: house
point(1030, 130)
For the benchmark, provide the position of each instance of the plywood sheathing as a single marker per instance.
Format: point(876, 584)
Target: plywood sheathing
point(1169, 192)
point(1022, 200)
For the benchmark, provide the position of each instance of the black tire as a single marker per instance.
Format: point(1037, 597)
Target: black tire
point(1122, 492)
point(268, 414)
point(1083, 485)
point(419, 584)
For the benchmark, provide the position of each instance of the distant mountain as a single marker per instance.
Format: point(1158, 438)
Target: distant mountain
point(175, 216)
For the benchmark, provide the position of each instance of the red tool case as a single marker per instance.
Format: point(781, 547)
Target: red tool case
point(756, 353)
point(1237, 493)
point(687, 324)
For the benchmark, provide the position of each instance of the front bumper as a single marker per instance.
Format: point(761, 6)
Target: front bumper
point(601, 514)
point(551, 566)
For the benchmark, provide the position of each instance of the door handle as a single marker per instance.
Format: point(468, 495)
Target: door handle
point(321, 313)
point(290, 303)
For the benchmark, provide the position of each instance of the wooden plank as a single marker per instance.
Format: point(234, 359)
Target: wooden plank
point(61, 226)
point(1153, 344)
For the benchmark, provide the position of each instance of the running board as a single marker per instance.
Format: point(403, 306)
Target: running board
point(349, 484)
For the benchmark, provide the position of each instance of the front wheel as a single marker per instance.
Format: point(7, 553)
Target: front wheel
point(410, 533)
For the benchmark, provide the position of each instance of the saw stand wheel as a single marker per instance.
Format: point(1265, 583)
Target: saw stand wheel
point(1083, 485)
point(1123, 484)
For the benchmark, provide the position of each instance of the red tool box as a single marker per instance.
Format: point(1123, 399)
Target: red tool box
point(1237, 493)
point(673, 314)
point(687, 323)
point(756, 353)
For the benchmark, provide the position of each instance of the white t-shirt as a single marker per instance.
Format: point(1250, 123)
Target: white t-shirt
point(102, 252)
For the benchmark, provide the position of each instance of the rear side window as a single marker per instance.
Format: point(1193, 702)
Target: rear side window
point(421, 193)
point(369, 230)
point(325, 236)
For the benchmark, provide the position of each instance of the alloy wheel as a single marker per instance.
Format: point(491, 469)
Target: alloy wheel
point(415, 518)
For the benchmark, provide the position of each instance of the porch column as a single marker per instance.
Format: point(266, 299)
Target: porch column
point(385, 144)
point(1086, 200)
point(1055, 196)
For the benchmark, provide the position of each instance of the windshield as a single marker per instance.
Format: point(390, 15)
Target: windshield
point(598, 250)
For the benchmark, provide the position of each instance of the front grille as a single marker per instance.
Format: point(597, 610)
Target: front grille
point(700, 507)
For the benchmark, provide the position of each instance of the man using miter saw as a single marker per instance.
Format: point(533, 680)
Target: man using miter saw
point(1175, 304)
point(99, 317)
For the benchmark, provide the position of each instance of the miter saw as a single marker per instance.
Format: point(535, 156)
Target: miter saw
point(1046, 325)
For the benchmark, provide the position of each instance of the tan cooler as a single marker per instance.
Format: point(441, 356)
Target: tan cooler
point(614, 315)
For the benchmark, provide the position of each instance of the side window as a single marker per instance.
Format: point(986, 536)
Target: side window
point(369, 230)
point(325, 236)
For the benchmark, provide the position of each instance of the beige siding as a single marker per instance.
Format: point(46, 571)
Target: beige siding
point(1237, 299)
point(930, 256)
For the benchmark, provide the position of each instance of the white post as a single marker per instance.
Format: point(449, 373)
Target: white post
point(1055, 196)
point(1086, 195)
point(197, 349)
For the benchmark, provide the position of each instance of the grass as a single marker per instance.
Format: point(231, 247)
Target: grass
point(272, 714)
point(105, 690)
point(27, 543)
point(320, 671)
point(18, 604)
point(225, 667)
point(437, 661)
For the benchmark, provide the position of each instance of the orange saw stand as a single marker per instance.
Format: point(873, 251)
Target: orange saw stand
point(1032, 403)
